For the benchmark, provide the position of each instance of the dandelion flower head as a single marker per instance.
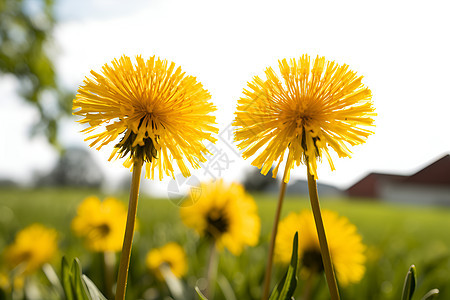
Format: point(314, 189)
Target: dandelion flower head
point(170, 255)
point(308, 110)
point(101, 224)
point(344, 242)
point(226, 214)
point(33, 246)
point(161, 114)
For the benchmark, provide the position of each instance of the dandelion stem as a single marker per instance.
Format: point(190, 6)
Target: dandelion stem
point(129, 231)
point(326, 257)
point(267, 276)
point(213, 265)
point(109, 258)
point(307, 288)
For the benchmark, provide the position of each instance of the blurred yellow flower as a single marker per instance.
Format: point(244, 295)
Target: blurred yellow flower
point(306, 111)
point(171, 255)
point(101, 224)
point(5, 282)
point(161, 113)
point(226, 214)
point(33, 246)
point(346, 247)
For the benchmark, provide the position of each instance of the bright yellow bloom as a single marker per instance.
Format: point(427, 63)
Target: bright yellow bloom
point(101, 224)
point(161, 113)
point(171, 255)
point(306, 111)
point(346, 247)
point(34, 246)
point(226, 214)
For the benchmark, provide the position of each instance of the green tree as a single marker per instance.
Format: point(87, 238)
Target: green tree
point(26, 52)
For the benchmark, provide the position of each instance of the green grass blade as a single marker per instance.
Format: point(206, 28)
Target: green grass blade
point(200, 294)
point(431, 294)
point(66, 278)
point(80, 288)
point(410, 284)
point(285, 289)
point(53, 278)
point(93, 290)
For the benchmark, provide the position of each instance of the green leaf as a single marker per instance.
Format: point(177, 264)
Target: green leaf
point(410, 284)
point(431, 294)
point(200, 294)
point(78, 284)
point(66, 276)
point(285, 289)
point(53, 278)
point(93, 290)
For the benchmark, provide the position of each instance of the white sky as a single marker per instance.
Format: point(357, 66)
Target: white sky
point(400, 47)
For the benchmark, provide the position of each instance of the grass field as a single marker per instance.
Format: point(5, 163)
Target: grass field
point(396, 236)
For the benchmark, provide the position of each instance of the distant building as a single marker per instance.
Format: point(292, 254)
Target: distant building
point(430, 186)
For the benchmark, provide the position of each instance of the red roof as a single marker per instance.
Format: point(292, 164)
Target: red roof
point(437, 174)
point(368, 187)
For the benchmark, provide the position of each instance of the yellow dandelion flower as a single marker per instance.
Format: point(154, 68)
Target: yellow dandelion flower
point(161, 113)
point(33, 246)
point(226, 214)
point(4, 281)
point(345, 244)
point(307, 111)
point(101, 224)
point(18, 282)
point(171, 255)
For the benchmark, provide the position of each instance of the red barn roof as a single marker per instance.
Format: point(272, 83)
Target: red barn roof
point(369, 186)
point(435, 174)
point(438, 173)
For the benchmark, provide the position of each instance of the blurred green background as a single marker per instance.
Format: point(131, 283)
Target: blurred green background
point(396, 236)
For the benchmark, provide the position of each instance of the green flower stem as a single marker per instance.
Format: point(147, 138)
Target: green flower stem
point(326, 257)
point(213, 265)
point(129, 231)
point(109, 259)
point(267, 276)
point(308, 286)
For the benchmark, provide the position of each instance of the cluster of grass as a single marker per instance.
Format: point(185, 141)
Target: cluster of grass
point(396, 237)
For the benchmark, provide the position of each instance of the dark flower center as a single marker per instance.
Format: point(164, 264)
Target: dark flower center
point(103, 230)
point(25, 256)
point(146, 152)
point(218, 223)
point(315, 140)
point(166, 264)
point(312, 259)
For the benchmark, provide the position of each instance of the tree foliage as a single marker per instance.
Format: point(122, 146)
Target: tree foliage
point(254, 181)
point(75, 168)
point(26, 52)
